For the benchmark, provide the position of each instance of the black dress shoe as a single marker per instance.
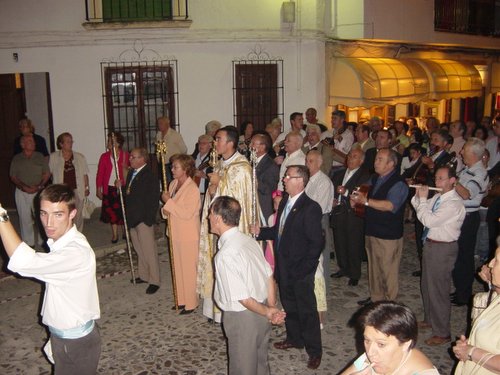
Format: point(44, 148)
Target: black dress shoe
point(352, 282)
point(186, 312)
point(179, 307)
point(337, 275)
point(314, 362)
point(152, 289)
point(416, 273)
point(365, 302)
point(114, 241)
point(138, 280)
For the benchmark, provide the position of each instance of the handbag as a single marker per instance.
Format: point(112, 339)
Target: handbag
point(88, 208)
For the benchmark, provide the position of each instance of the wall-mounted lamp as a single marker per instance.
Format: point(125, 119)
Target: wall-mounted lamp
point(15, 57)
point(288, 11)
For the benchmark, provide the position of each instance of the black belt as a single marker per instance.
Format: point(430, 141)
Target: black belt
point(434, 241)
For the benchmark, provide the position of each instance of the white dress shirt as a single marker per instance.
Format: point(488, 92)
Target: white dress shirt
point(344, 145)
point(71, 297)
point(241, 271)
point(445, 221)
point(320, 189)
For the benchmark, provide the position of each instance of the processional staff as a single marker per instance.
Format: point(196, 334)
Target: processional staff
point(122, 204)
point(161, 151)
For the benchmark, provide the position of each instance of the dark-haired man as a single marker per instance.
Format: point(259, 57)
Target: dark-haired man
point(442, 216)
point(247, 299)
point(298, 242)
point(71, 302)
point(232, 176)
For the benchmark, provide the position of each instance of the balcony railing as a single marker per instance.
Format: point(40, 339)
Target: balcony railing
point(477, 17)
point(125, 11)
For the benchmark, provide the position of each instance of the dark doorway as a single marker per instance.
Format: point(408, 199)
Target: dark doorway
point(12, 109)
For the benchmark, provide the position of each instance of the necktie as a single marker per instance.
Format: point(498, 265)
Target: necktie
point(284, 215)
point(435, 206)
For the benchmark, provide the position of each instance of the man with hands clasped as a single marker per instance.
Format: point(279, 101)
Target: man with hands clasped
point(244, 290)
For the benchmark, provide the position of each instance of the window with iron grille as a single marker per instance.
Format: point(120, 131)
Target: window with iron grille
point(135, 95)
point(257, 89)
point(135, 10)
point(477, 17)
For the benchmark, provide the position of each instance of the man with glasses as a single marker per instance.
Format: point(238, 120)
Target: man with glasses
point(442, 216)
point(141, 201)
point(298, 241)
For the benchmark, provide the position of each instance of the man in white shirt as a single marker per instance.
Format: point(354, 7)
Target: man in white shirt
point(294, 154)
point(343, 140)
point(296, 124)
point(442, 217)
point(244, 290)
point(320, 189)
point(71, 302)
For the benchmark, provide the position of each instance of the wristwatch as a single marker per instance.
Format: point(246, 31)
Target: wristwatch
point(366, 203)
point(4, 217)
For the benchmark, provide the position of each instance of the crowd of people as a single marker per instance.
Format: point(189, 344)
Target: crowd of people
point(255, 217)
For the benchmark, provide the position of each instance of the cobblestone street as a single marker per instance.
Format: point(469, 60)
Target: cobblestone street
point(142, 335)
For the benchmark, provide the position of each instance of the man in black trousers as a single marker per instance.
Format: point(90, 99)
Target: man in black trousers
point(298, 240)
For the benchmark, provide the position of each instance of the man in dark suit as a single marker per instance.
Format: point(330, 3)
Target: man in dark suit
point(141, 203)
point(298, 242)
point(267, 172)
point(348, 228)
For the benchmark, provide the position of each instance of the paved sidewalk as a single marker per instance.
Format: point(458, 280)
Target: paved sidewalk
point(142, 335)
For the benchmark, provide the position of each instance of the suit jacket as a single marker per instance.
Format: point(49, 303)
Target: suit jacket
point(268, 174)
point(298, 250)
point(370, 143)
point(326, 154)
point(142, 197)
point(360, 177)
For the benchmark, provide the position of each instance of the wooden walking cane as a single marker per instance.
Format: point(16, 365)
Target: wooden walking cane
point(161, 151)
point(122, 203)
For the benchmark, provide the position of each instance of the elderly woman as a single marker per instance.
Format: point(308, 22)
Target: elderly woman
point(111, 211)
point(182, 206)
point(390, 336)
point(70, 168)
point(480, 353)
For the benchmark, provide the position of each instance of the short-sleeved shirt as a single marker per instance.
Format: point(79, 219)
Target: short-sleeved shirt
point(29, 170)
point(475, 179)
point(241, 271)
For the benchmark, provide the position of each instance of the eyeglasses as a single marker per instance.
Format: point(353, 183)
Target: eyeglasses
point(288, 177)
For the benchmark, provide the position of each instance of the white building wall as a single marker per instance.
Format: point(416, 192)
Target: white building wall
point(49, 37)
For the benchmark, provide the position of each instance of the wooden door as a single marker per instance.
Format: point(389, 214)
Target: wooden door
point(256, 94)
point(12, 109)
